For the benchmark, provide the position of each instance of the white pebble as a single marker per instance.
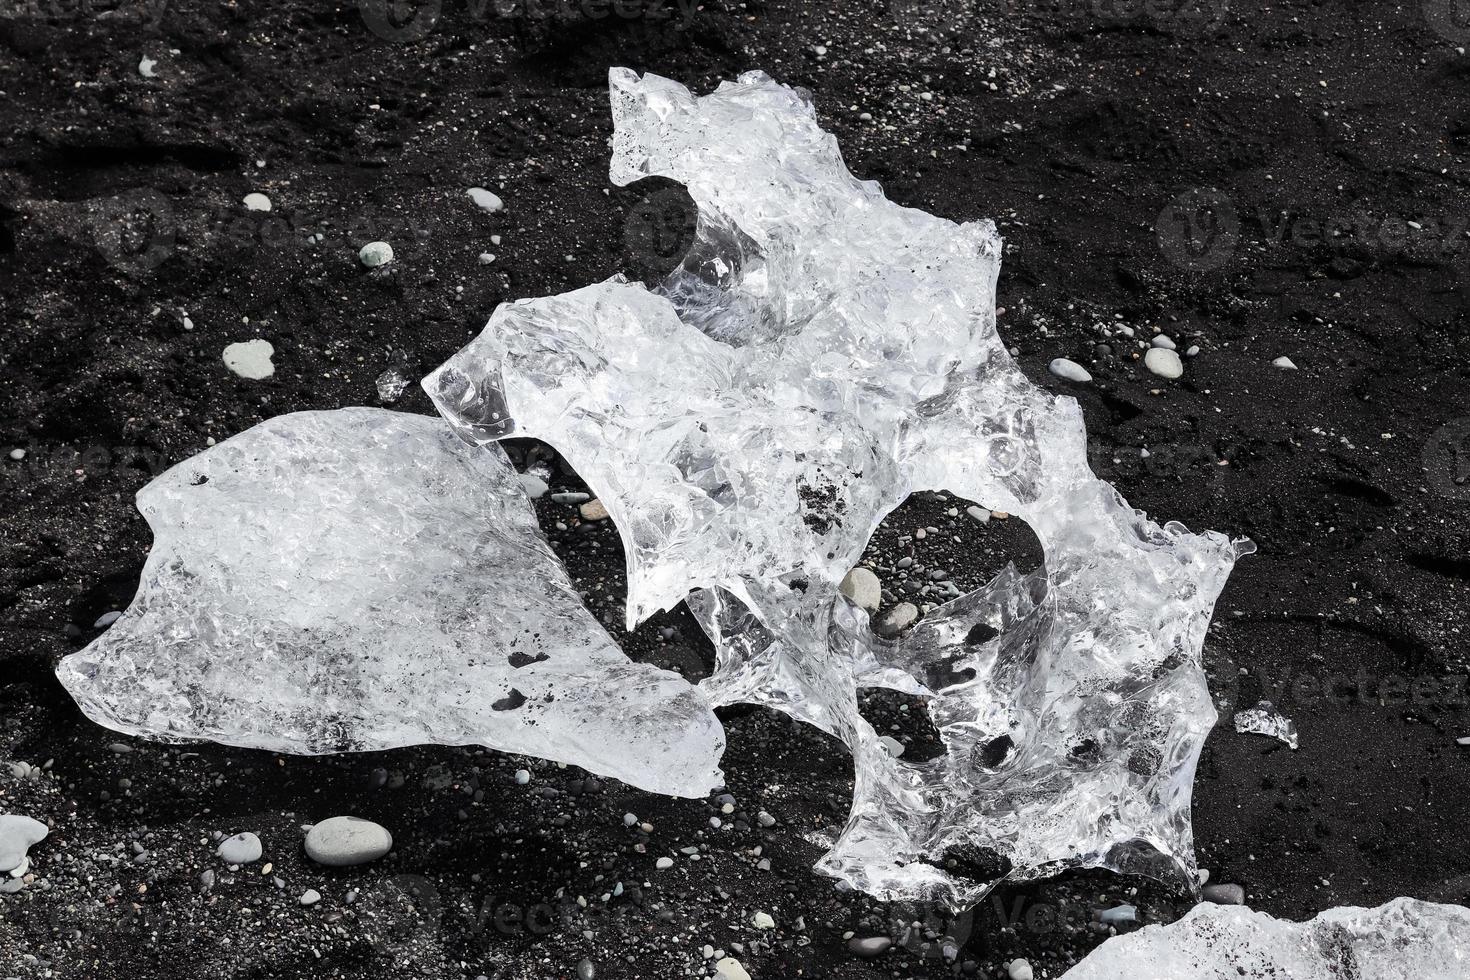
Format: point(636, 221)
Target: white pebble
point(250, 359)
point(374, 254)
point(664, 863)
point(523, 777)
point(17, 454)
point(1284, 363)
point(145, 67)
point(1069, 370)
point(486, 258)
point(257, 202)
point(310, 897)
point(1163, 341)
point(1020, 970)
point(1163, 362)
point(485, 199)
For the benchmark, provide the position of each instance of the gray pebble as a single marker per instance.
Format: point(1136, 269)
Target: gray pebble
point(240, 849)
point(897, 619)
point(344, 841)
point(586, 970)
point(870, 947)
point(1069, 370)
point(18, 835)
point(310, 897)
point(1225, 894)
point(862, 587)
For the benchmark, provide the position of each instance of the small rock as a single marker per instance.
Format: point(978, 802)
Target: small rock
point(486, 258)
point(980, 514)
point(762, 920)
point(862, 587)
point(1284, 363)
point(250, 359)
point(107, 619)
point(257, 202)
point(310, 897)
point(243, 848)
point(1163, 362)
point(729, 968)
point(593, 510)
point(485, 199)
point(523, 776)
point(586, 970)
point(1225, 894)
point(341, 842)
point(897, 619)
point(869, 948)
point(146, 66)
point(18, 834)
point(534, 486)
point(1069, 370)
point(765, 819)
point(1163, 341)
point(375, 254)
point(664, 863)
point(1020, 969)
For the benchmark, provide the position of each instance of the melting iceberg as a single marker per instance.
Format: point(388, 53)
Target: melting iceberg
point(1404, 938)
point(819, 354)
point(361, 579)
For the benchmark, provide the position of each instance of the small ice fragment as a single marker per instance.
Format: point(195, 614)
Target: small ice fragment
point(1069, 370)
point(257, 202)
point(485, 199)
point(1163, 362)
point(1463, 740)
point(1118, 914)
point(534, 486)
point(1404, 938)
point(146, 66)
point(486, 258)
point(893, 745)
point(1264, 719)
point(1284, 363)
point(375, 254)
point(395, 379)
point(250, 359)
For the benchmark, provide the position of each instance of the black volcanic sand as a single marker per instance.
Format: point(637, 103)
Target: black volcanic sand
point(1284, 181)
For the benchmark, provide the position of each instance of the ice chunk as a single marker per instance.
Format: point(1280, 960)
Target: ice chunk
point(359, 580)
point(1264, 719)
point(1404, 938)
point(819, 354)
point(395, 379)
point(18, 834)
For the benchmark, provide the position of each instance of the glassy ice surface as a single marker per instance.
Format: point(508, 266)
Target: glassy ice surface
point(1264, 719)
point(1404, 938)
point(361, 579)
point(819, 354)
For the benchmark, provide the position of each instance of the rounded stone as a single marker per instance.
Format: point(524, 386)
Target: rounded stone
point(250, 359)
point(1163, 362)
point(869, 948)
point(1069, 370)
point(340, 842)
point(374, 254)
point(862, 587)
point(241, 849)
point(257, 202)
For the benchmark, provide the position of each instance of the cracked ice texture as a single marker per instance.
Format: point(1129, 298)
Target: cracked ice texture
point(360, 579)
point(1404, 938)
point(820, 354)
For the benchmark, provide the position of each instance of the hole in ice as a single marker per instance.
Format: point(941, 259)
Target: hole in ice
point(519, 660)
point(994, 753)
point(510, 702)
